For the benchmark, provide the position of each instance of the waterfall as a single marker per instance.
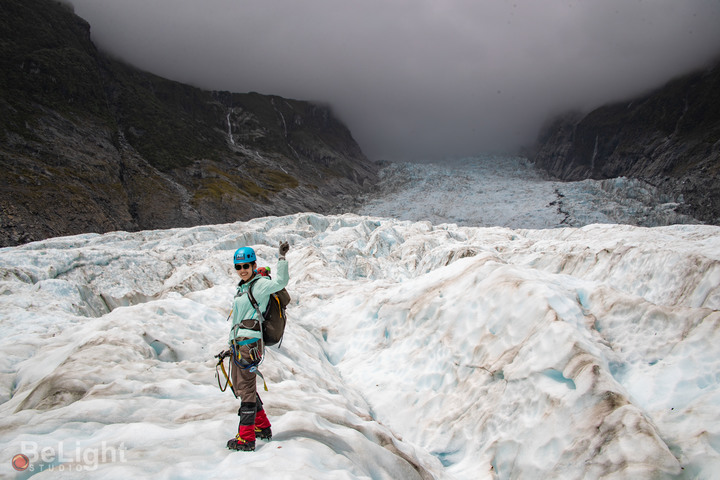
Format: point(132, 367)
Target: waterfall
point(230, 128)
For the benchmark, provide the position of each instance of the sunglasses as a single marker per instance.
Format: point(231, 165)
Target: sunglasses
point(243, 266)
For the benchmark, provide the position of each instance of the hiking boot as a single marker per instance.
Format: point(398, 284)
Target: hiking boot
point(263, 433)
point(239, 444)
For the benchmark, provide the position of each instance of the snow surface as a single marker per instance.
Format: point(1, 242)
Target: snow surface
point(414, 350)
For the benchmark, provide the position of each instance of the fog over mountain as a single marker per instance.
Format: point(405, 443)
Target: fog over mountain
point(418, 79)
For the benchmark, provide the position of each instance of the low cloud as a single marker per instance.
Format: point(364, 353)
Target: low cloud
point(418, 79)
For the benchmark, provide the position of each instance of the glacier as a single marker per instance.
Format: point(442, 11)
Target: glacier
point(414, 348)
point(496, 190)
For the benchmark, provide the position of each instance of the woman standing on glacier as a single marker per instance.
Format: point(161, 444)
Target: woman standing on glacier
point(247, 343)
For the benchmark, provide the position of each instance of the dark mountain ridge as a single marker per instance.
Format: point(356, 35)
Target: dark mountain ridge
point(669, 138)
point(90, 144)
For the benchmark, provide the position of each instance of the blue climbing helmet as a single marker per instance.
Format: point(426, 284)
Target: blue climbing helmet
point(244, 255)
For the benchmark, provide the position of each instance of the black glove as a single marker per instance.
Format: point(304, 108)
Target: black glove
point(283, 249)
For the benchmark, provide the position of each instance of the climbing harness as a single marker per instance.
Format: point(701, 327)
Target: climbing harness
point(252, 366)
point(255, 352)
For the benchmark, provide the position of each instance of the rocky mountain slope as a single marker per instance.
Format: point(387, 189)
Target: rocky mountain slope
point(90, 144)
point(669, 138)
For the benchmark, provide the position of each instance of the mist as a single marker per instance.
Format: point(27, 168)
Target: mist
point(418, 79)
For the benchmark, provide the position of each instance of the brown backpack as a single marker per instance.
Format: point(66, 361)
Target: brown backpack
point(274, 319)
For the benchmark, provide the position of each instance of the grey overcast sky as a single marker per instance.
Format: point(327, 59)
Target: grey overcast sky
point(418, 79)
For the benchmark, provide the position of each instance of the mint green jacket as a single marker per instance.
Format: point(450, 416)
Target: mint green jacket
point(262, 288)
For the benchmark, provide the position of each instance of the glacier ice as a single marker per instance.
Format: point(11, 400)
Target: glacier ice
point(413, 350)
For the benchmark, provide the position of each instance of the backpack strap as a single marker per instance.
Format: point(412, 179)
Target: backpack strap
point(261, 317)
